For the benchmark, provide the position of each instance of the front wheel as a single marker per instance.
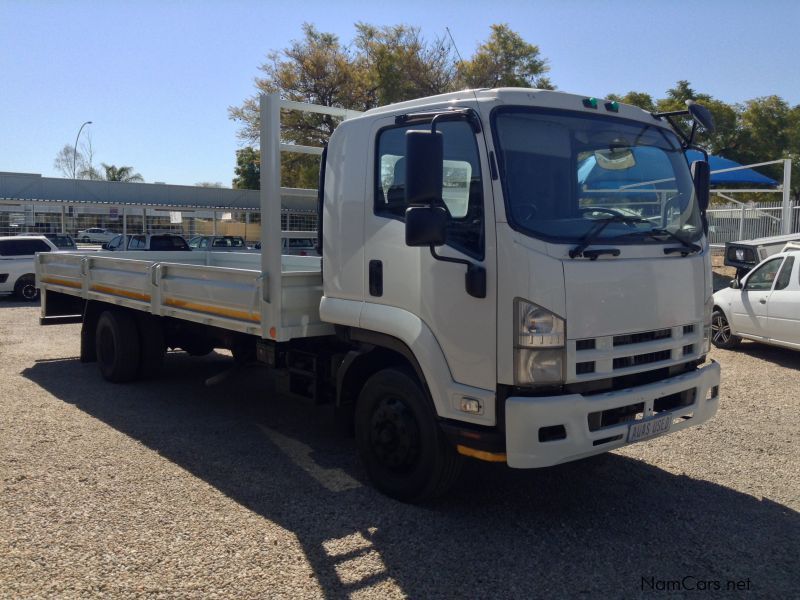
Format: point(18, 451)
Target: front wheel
point(26, 289)
point(721, 334)
point(404, 451)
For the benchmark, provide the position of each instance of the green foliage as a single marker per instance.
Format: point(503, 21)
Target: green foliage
point(397, 64)
point(640, 99)
point(248, 169)
point(505, 60)
point(124, 174)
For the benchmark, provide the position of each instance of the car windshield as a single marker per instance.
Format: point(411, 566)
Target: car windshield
point(563, 172)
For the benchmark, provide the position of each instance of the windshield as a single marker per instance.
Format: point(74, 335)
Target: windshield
point(563, 172)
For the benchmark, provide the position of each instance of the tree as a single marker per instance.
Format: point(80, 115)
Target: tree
point(248, 169)
point(398, 64)
point(641, 99)
point(77, 164)
point(68, 161)
point(123, 174)
point(505, 60)
point(316, 69)
point(209, 184)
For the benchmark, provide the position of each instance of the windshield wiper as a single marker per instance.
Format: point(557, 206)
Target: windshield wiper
point(595, 231)
point(685, 247)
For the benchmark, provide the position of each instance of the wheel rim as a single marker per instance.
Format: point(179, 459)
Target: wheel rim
point(29, 291)
point(720, 329)
point(394, 435)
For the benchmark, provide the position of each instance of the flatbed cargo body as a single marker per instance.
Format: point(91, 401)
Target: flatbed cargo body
point(220, 289)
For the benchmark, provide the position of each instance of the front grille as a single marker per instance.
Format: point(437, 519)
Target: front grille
point(639, 338)
point(626, 353)
point(582, 368)
point(625, 362)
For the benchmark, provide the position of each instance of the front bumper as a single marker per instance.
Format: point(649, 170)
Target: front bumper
point(525, 416)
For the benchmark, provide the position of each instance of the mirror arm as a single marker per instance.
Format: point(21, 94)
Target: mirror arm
point(475, 277)
point(685, 141)
point(458, 261)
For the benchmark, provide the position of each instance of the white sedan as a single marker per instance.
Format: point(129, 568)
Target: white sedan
point(764, 306)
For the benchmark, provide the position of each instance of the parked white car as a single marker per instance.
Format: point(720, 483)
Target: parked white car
point(17, 274)
point(95, 235)
point(764, 306)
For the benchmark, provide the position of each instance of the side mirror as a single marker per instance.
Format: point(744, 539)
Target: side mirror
point(701, 173)
point(735, 284)
point(424, 167)
point(426, 225)
point(701, 115)
point(104, 246)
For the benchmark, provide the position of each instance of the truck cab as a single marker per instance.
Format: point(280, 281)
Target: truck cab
point(590, 326)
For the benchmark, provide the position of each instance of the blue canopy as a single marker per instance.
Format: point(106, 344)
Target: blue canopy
point(651, 165)
point(746, 176)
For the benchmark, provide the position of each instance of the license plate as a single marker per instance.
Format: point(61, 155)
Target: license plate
point(650, 428)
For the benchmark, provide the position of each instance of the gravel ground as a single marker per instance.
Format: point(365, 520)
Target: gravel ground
point(174, 489)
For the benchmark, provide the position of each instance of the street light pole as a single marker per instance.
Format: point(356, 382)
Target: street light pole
point(75, 149)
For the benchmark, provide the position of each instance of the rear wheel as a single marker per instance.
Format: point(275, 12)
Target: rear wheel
point(26, 289)
point(402, 447)
point(721, 335)
point(118, 348)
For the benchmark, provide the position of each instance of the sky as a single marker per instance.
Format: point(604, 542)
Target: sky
point(156, 78)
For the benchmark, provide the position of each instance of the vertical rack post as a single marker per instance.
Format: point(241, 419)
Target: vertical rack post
point(786, 212)
point(271, 215)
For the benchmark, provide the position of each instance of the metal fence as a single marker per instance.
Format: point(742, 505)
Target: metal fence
point(746, 222)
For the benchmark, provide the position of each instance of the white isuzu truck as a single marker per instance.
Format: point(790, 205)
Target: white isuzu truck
point(513, 275)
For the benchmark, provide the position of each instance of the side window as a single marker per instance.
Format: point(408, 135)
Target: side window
point(462, 190)
point(8, 248)
point(786, 273)
point(761, 279)
point(24, 247)
point(136, 243)
point(114, 243)
point(204, 243)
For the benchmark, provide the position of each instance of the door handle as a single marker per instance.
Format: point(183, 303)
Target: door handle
point(376, 278)
point(763, 300)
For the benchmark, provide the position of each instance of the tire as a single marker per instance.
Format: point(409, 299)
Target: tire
point(721, 335)
point(404, 452)
point(118, 348)
point(153, 346)
point(26, 289)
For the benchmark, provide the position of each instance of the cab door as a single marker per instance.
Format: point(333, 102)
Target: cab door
point(750, 316)
point(410, 278)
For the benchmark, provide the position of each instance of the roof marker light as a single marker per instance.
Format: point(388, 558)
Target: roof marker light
point(590, 102)
point(612, 106)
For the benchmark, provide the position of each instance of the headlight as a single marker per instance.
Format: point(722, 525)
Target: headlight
point(708, 309)
point(537, 327)
point(539, 348)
